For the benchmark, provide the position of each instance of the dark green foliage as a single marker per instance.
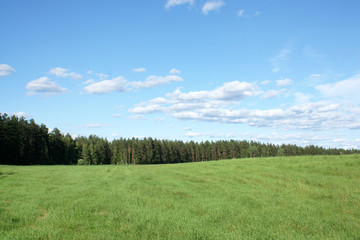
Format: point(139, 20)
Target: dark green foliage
point(24, 142)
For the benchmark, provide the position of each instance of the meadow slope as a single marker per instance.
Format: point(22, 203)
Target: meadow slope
point(314, 197)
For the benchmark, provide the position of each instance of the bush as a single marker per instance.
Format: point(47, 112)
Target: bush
point(82, 162)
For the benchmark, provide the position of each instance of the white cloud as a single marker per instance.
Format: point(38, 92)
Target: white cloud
point(235, 90)
point(62, 72)
point(229, 91)
point(118, 84)
point(173, 3)
point(145, 109)
point(19, 114)
point(102, 75)
point(44, 86)
point(183, 102)
point(59, 72)
point(5, 70)
point(354, 125)
point(117, 115)
point(272, 93)
point(241, 12)
point(280, 59)
point(266, 82)
point(348, 88)
point(152, 81)
point(284, 82)
point(159, 100)
point(212, 6)
point(218, 105)
point(174, 71)
point(257, 13)
point(22, 114)
point(139, 69)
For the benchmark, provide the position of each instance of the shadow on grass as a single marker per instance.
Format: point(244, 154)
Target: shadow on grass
point(5, 174)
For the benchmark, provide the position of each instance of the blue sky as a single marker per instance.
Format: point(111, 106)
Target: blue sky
point(267, 70)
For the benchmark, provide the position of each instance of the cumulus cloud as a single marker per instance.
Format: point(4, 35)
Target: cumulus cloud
point(172, 3)
point(284, 82)
point(118, 84)
point(44, 86)
point(218, 105)
point(62, 72)
point(174, 71)
point(5, 70)
point(145, 109)
point(212, 6)
point(152, 81)
point(229, 91)
point(139, 69)
point(278, 61)
point(183, 102)
point(348, 88)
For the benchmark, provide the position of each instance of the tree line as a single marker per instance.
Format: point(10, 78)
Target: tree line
point(24, 142)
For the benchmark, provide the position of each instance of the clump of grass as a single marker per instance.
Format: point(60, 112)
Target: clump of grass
point(264, 198)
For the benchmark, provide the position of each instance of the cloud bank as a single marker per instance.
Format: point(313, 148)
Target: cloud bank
point(218, 105)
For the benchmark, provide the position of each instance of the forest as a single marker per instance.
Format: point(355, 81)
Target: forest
point(24, 142)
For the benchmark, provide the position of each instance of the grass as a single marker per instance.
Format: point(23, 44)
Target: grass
point(264, 198)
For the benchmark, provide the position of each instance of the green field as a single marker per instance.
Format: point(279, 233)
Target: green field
point(262, 198)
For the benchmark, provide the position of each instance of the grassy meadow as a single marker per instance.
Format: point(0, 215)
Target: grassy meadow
point(315, 197)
